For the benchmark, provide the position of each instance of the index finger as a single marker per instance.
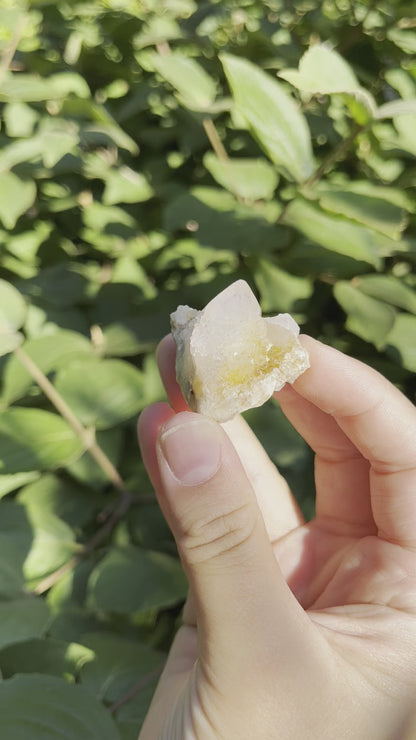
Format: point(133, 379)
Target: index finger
point(380, 422)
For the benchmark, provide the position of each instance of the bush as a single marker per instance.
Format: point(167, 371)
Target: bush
point(152, 153)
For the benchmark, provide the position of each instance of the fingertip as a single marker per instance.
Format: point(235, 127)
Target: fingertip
point(166, 358)
point(166, 351)
point(150, 421)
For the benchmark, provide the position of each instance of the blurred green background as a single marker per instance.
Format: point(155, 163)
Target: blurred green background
point(150, 154)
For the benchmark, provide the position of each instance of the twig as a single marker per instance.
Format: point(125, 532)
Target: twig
point(148, 678)
point(8, 55)
point(85, 435)
point(214, 139)
point(334, 156)
point(92, 544)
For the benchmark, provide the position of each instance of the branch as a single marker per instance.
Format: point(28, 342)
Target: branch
point(100, 535)
point(85, 435)
point(148, 678)
point(8, 55)
point(334, 155)
point(214, 139)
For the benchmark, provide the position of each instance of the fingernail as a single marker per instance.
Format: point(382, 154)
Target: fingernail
point(192, 450)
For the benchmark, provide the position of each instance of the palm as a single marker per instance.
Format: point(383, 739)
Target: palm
point(352, 568)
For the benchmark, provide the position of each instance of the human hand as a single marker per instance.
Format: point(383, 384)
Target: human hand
point(293, 630)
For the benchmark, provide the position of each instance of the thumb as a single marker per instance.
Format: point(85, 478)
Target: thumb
point(241, 597)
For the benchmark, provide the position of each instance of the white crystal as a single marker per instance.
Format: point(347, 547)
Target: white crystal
point(229, 358)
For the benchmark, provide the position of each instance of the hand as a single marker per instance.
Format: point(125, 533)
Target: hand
point(292, 630)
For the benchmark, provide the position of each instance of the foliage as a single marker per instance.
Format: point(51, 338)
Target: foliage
point(150, 153)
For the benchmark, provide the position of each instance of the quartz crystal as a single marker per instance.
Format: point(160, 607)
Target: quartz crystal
point(229, 358)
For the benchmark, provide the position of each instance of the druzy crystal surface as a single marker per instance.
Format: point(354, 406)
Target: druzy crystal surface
point(229, 358)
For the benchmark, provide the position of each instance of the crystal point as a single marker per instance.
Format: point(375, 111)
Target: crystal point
point(229, 358)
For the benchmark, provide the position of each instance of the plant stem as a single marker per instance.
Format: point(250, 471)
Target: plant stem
point(118, 513)
point(8, 55)
point(148, 678)
point(214, 139)
point(85, 435)
point(333, 156)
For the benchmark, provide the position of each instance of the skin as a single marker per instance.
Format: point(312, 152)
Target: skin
point(291, 629)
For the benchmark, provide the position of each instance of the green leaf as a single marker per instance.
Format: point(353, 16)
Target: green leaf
point(368, 318)
point(195, 88)
point(54, 139)
point(396, 108)
point(47, 656)
point(124, 185)
point(21, 619)
point(27, 88)
point(49, 353)
point(129, 580)
point(309, 259)
point(19, 119)
point(9, 483)
point(135, 334)
point(86, 469)
point(248, 179)
point(15, 543)
point(53, 544)
point(126, 269)
point(272, 116)
point(25, 245)
point(101, 393)
point(118, 665)
point(338, 234)
point(401, 341)
point(389, 289)
point(9, 342)
point(16, 196)
point(62, 285)
point(219, 222)
point(31, 439)
point(37, 707)
point(279, 290)
point(322, 70)
point(62, 498)
point(12, 308)
point(404, 38)
point(370, 206)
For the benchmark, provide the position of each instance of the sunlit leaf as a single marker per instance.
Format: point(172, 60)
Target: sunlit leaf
point(9, 342)
point(338, 234)
point(249, 179)
point(33, 439)
point(20, 87)
point(322, 70)
point(12, 308)
point(16, 196)
point(373, 207)
point(401, 341)
point(101, 393)
point(272, 116)
point(49, 353)
point(367, 317)
point(388, 288)
point(196, 89)
point(279, 290)
point(124, 185)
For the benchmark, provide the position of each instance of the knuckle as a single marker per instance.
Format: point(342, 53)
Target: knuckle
point(219, 534)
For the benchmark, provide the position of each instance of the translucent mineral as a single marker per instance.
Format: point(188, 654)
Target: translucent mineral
point(229, 358)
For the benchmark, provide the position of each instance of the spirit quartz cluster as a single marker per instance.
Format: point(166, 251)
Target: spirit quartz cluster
point(229, 358)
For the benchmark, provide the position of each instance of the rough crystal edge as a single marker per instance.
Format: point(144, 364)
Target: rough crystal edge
point(183, 322)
